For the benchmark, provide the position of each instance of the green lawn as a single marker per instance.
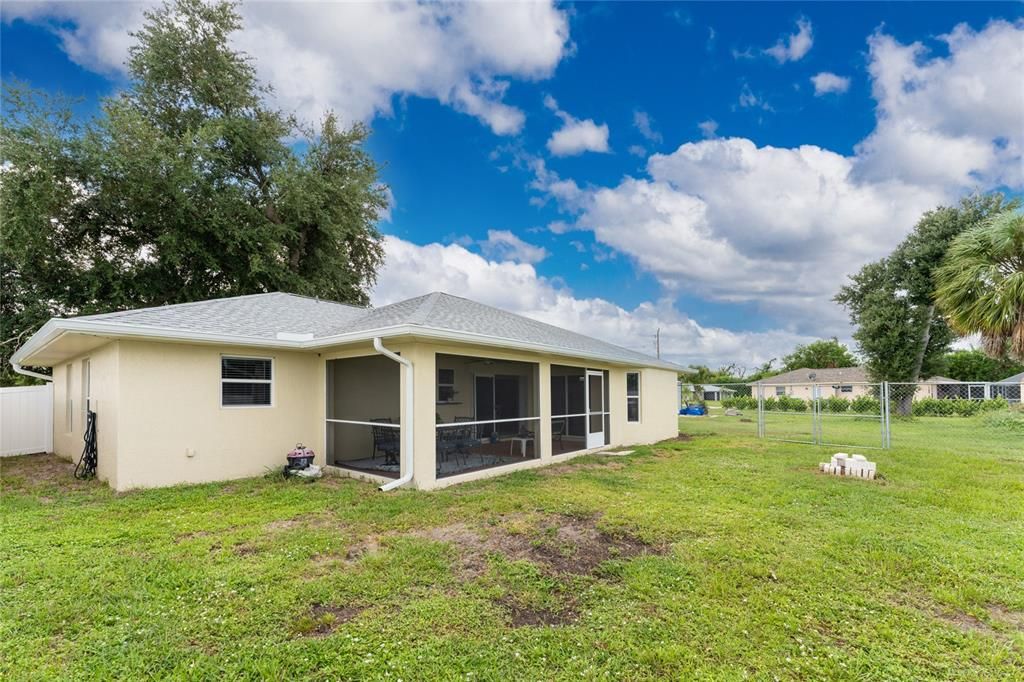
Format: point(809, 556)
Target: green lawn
point(718, 557)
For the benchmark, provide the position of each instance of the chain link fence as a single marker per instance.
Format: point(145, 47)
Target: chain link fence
point(863, 415)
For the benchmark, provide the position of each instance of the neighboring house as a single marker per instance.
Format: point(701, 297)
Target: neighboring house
point(1011, 388)
point(847, 382)
point(852, 382)
point(945, 388)
point(430, 391)
point(709, 392)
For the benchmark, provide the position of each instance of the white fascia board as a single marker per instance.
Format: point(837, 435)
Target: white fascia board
point(56, 327)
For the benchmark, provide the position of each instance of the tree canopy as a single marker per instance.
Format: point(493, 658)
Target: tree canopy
point(891, 302)
point(818, 354)
point(187, 185)
point(980, 285)
point(975, 365)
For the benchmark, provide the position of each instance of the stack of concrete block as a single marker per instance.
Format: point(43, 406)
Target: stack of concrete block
point(843, 464)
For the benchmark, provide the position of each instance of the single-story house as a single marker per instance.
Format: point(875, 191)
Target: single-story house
point(846, 382)
point(429, 391)
point(709, 392)
point(853, 382)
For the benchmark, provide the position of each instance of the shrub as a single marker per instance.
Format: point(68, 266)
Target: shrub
point(835, 404)
point(771, 404)
point(865, 404)
point(957, 407)
point(740, 402)
point(789, 403)
point(994, 404)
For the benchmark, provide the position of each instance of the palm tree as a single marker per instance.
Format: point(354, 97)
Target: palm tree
point(980, 285)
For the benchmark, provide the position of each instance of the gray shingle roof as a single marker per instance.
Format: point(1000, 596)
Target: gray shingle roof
point(263, 316)
point(824, 375)
point(1015, 379)
point(260, 316)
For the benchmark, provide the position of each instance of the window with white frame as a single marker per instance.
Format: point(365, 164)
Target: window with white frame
point(445, 385)
point(246, 382)
point(633, 396)
point(780, 390)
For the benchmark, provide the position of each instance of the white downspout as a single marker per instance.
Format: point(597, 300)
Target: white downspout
point(407, 430)
point(29, 373)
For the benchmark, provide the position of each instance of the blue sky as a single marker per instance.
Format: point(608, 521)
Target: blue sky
point(731, 236)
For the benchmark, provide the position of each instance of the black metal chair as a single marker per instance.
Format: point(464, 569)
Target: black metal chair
point(558, 429)
point(468, 436)
point(448, 444)
point(386, 440)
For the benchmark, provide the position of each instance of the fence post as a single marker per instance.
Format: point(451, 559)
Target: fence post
point(760, 411)
point(884, 406)
point(816, 414)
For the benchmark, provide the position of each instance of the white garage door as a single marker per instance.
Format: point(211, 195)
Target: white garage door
point(26, 420)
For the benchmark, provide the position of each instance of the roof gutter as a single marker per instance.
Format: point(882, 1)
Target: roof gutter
point(407, 431)
point(29, 373)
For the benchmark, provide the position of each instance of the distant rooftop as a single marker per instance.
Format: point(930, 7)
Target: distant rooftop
point(823, 375)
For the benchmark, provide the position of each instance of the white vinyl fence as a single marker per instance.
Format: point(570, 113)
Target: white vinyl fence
point(26, 420)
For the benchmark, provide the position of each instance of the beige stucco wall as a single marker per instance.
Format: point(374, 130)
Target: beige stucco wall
point(68, 381)
point(174, 430)
point(161, 422)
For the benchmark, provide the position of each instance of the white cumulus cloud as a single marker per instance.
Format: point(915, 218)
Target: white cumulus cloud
point(504, 245)
point(412, 269)
point(793, 47)
point(780, 228)
point(826, 82)
point(575, 136)
point(353, 58)
point(953, 121)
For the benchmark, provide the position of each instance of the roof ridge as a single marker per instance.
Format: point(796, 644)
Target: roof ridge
point(423, 310)
point(319, 299)
point(166, 306)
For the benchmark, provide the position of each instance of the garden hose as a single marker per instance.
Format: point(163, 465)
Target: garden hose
point(87, 464)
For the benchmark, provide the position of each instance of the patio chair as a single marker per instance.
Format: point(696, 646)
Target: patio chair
point(467, 437)
point(449, 442)
point(558, 430)
point(385, 440)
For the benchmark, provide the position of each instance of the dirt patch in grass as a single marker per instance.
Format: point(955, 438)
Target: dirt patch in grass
point(524, 616)
point(557, 544)
point(1006, 616)
point(323, 619)
point(965, 622)
point(29, 473)
point(245, 549)
point(681, 438)
point(999, 616)
point(370, 545)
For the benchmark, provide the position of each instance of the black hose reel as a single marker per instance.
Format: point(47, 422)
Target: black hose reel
point(87, 464)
